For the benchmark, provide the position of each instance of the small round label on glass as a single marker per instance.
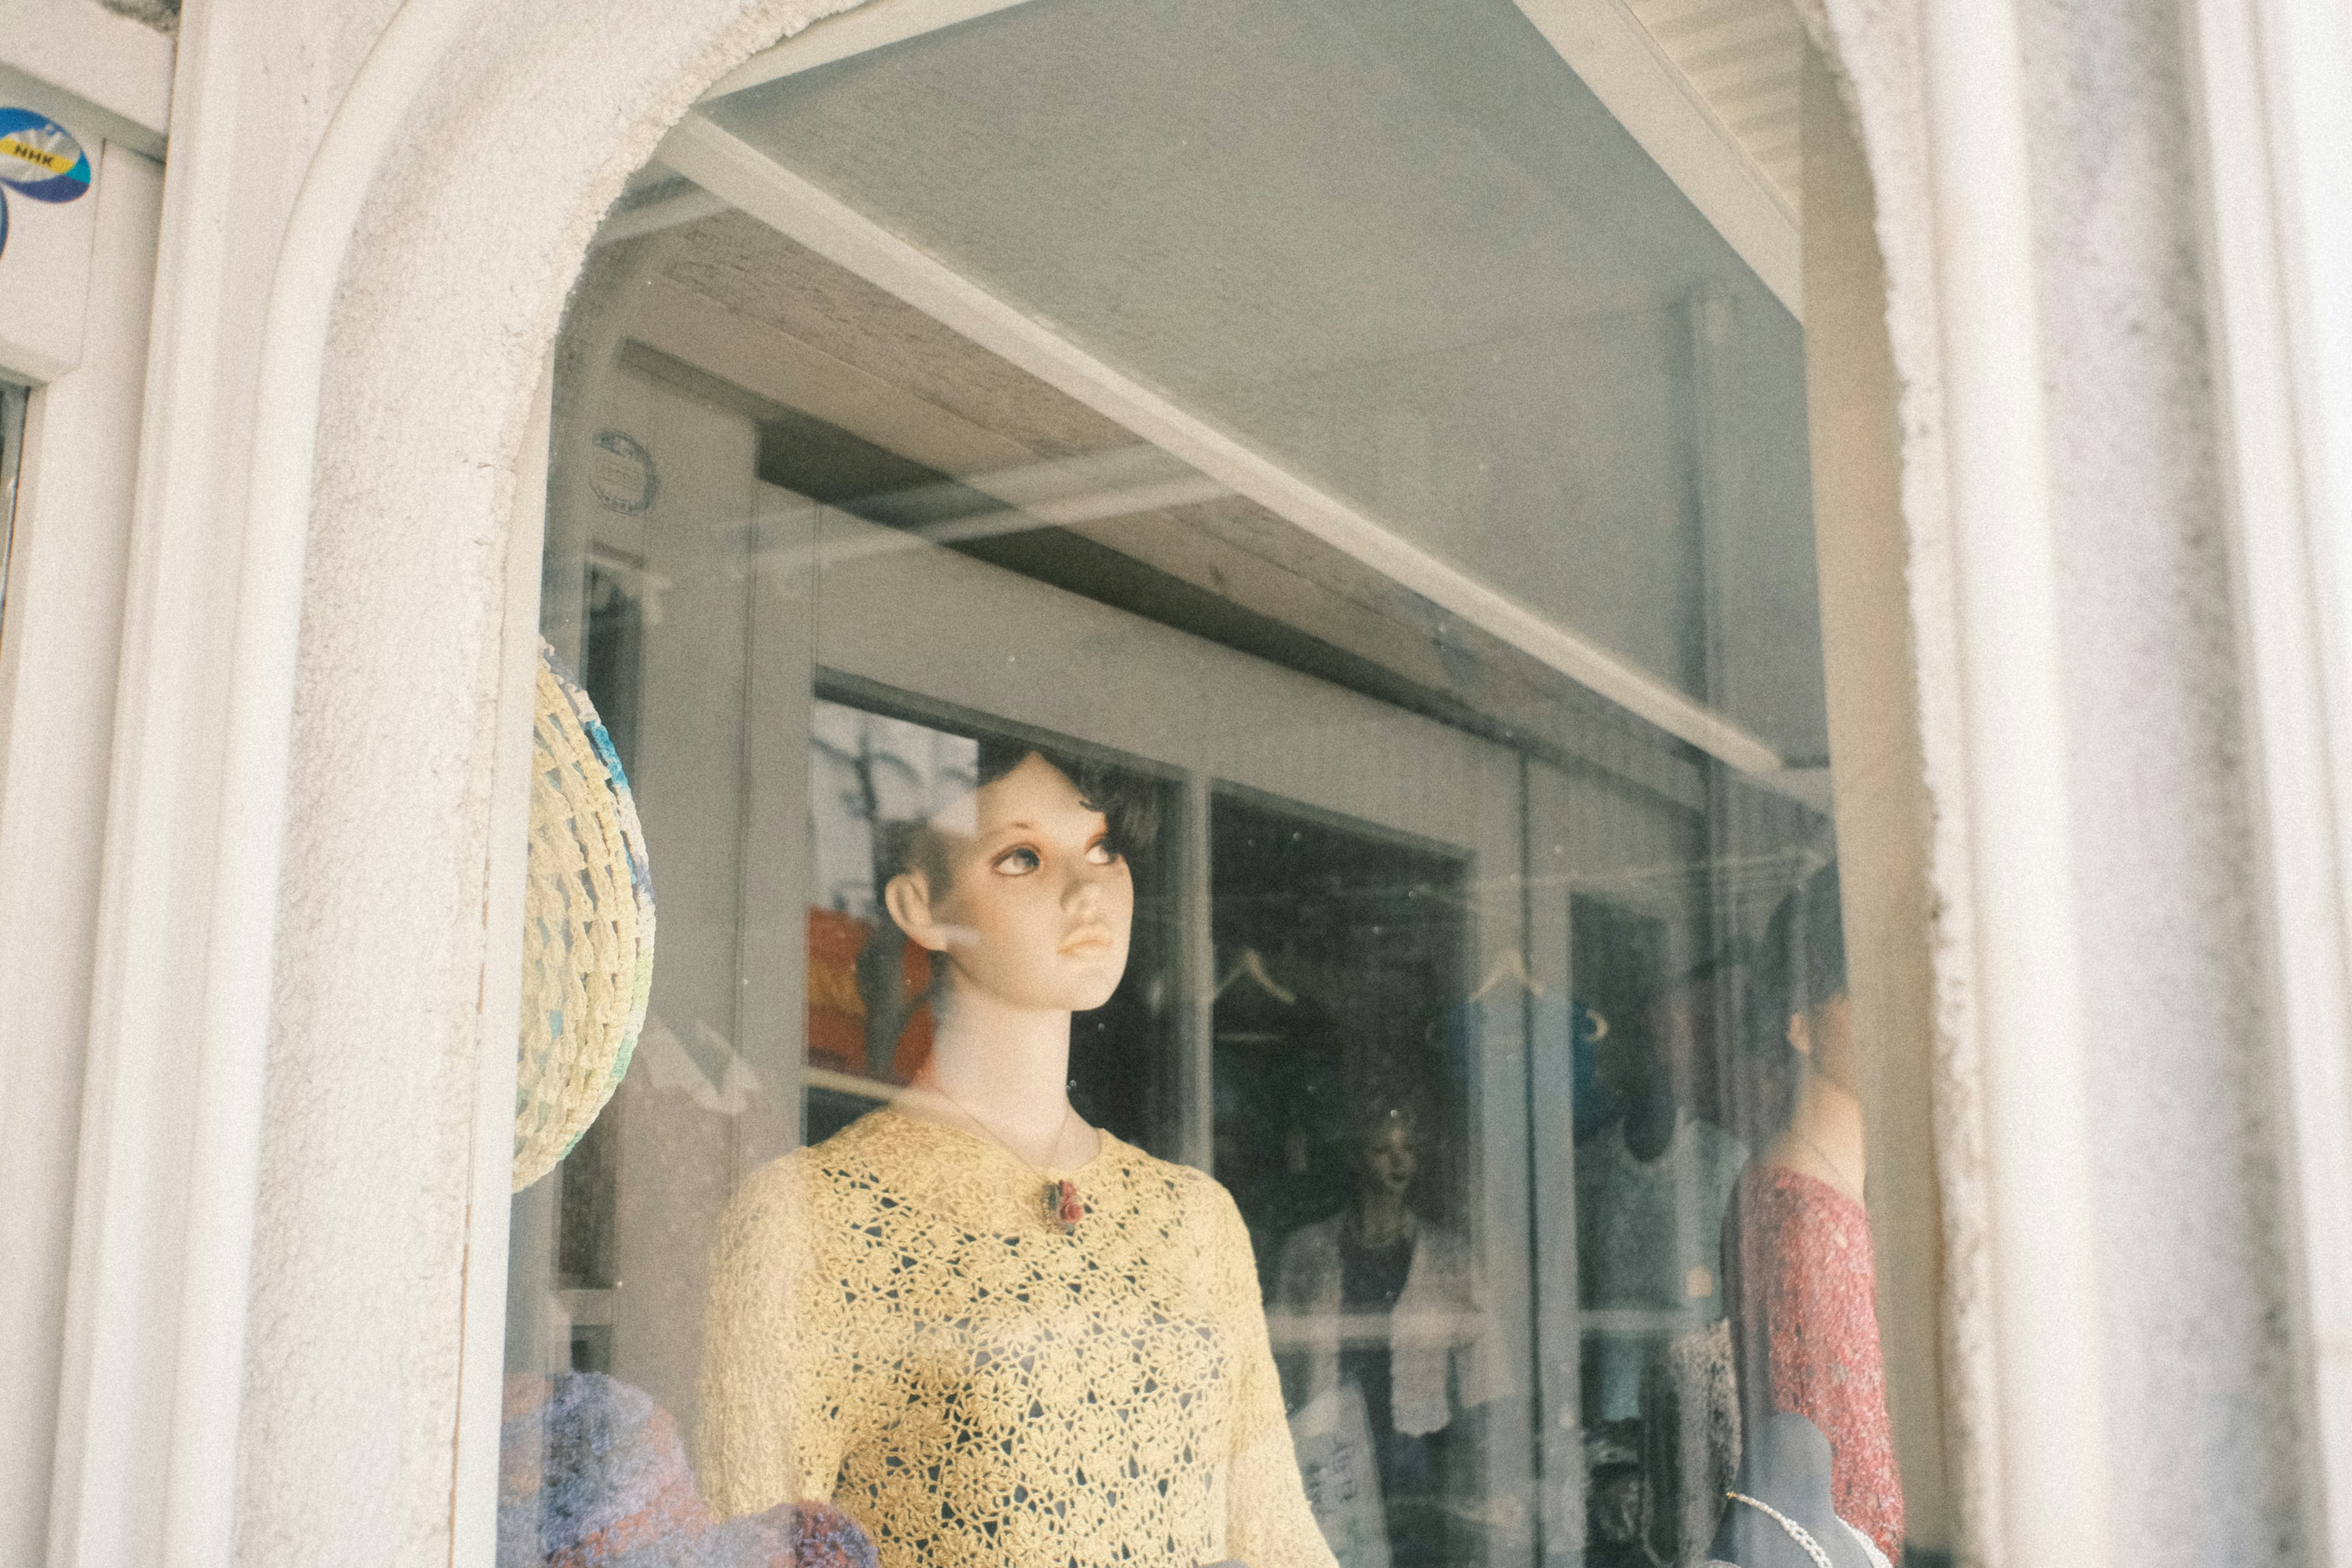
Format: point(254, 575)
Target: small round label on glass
point(39, 158)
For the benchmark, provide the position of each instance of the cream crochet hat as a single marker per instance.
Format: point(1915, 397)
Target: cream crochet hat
point(588, 927)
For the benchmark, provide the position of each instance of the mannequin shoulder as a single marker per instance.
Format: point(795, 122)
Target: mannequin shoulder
point(1180, 1193)
point(1446, 1244)
point(772, 1198)
point(1149, 1176)
point(817, 1187)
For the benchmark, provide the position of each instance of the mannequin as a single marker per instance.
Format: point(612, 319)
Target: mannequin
point(1425, 1362)
point(1787, 1468)
point(1651, 1190)
point(1798, 1261)
point(984, 1329)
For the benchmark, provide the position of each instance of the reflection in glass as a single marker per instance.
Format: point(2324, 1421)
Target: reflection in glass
point(1340, 1114)
point(1651, 1185)
point(1425, 270)
point(1441, 961)
point(1798, 1248)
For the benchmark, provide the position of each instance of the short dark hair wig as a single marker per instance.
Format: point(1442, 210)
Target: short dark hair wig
point(1129, 805)
point(1800, 964)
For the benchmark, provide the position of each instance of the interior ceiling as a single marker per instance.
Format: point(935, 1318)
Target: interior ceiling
point(1287, 594)
point(1236, 192)
point(1743, 60)
point(1423, 268)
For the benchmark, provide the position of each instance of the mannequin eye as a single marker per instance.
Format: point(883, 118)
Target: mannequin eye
point(1018, 862)
point(1100, 853)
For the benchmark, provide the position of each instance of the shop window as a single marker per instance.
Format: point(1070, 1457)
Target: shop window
point(1209, 613)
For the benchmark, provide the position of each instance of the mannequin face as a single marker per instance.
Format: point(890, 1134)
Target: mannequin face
point(1389, 1159)
point(1824, 1038)
point(1036, 910)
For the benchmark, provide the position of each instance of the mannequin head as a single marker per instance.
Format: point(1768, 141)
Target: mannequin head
point(1824, 1037)
point(1387, 1155)
point(1693, 1026)
point(1801, 1006)
point(1022, 887)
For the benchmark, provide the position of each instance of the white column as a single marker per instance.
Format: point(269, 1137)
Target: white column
point(2023, 945)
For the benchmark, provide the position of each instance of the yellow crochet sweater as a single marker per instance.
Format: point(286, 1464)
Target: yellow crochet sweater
point(894, 1326)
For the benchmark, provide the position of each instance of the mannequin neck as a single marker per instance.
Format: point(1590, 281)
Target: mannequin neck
point(1381, 1218)
point(1825, 1136)
point(1009, 1069)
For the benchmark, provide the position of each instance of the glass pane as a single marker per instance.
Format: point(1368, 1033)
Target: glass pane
point(1424, 270)
point(1342, 1099)
point(1209, 615)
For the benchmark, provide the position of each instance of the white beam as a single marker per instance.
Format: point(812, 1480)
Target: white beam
point(870, 27)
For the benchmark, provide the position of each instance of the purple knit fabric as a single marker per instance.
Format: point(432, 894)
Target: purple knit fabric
point(591, 1475)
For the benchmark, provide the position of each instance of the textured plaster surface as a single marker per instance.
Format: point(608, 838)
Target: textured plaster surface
point(259, 74)
point(2202, 1421)
point(2204, 1444)
point(1876, 45)
point(446, 310)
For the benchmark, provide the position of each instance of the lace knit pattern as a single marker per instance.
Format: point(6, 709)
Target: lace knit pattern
point(895, 1327)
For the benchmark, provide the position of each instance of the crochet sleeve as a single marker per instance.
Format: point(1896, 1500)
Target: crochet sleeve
point(767, 1432)
point(1267, 1521)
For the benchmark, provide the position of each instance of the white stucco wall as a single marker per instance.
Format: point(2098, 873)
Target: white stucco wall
point(342, 1424)
point(2198, 1289)
point(2206, 1441)
point(447, 307)
point(251, 76)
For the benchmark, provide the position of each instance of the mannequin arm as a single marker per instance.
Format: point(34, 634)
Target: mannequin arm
point(1267, 1521)
point(756, 1446)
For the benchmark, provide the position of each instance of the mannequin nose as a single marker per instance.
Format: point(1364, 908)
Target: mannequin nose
point(1085, 890)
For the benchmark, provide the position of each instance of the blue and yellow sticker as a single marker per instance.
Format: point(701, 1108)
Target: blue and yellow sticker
point(39, 158)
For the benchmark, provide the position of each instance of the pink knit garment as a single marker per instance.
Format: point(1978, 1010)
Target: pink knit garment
point(1802, 1298)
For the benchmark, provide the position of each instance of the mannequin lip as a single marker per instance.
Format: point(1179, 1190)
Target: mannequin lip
point(1087, 940)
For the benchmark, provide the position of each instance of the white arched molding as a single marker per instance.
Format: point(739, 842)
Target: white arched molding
point(368, 1255)
point(1935, 90)
point(337, 1257)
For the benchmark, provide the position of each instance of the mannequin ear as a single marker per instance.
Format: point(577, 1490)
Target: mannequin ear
point(1800, 1035)
point(907, 897)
